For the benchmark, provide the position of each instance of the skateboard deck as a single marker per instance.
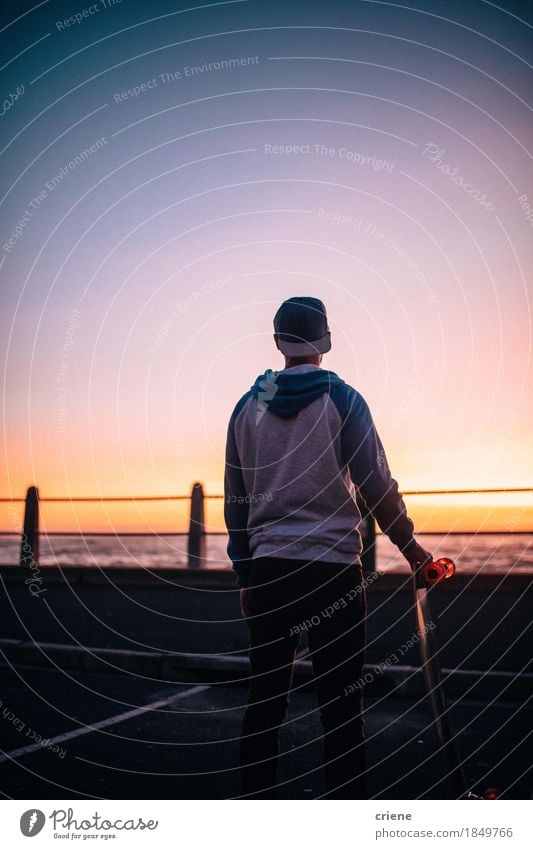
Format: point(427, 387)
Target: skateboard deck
point(435, 693)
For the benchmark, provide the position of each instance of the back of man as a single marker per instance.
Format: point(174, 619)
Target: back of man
point(299, 444)
point(290, 450)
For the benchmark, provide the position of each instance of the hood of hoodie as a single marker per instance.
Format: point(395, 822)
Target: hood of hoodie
point(285, 393)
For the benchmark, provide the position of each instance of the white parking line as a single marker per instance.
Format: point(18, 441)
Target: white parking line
point(104, 723)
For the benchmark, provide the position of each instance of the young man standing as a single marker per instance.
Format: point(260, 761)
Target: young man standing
point(299, 444)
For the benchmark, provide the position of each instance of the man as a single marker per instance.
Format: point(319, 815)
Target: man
point(299, 444)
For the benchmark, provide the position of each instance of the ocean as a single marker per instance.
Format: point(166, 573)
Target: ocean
point(497, 553)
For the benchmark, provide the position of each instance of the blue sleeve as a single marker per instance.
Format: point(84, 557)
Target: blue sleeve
point(236, 505)
point(365, 457)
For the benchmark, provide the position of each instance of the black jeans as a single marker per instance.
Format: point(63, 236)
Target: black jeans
point(327, 600)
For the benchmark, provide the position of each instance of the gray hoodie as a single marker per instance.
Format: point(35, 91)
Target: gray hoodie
point(299, 444)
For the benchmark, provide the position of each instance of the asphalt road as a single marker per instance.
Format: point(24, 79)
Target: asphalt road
point(489, 630)
point(122, 736)
point(127, 736)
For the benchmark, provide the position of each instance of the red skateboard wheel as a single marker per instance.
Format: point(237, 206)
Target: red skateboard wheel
point(491, 793)
point(437, 571)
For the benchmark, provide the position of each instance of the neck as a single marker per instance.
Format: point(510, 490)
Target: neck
point(300, 361)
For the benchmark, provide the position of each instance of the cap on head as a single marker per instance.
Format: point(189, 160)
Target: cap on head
point(301, 327)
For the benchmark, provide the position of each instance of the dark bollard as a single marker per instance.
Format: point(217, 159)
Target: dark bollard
point(368, 533)
point(29, 546)
point(197, 528)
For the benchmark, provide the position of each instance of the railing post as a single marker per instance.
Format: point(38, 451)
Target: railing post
point(197, 527)
point(367, 529)
point(29, 544)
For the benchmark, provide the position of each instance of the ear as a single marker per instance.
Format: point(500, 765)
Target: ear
point(276, 340)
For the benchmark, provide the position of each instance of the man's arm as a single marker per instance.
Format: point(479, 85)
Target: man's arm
point(369, 470)
point(236, 510)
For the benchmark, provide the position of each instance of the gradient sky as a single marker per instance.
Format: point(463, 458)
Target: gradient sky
point(138, 291)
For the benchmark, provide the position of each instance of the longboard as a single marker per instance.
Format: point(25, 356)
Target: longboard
point(435, 693)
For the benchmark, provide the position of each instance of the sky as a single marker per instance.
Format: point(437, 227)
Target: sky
point(172, 172)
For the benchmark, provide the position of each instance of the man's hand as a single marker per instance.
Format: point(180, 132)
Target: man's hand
point(416, 556)
point(246, 602)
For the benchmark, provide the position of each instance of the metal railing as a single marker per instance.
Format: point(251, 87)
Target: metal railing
point(196, 535)
point(196, 546)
